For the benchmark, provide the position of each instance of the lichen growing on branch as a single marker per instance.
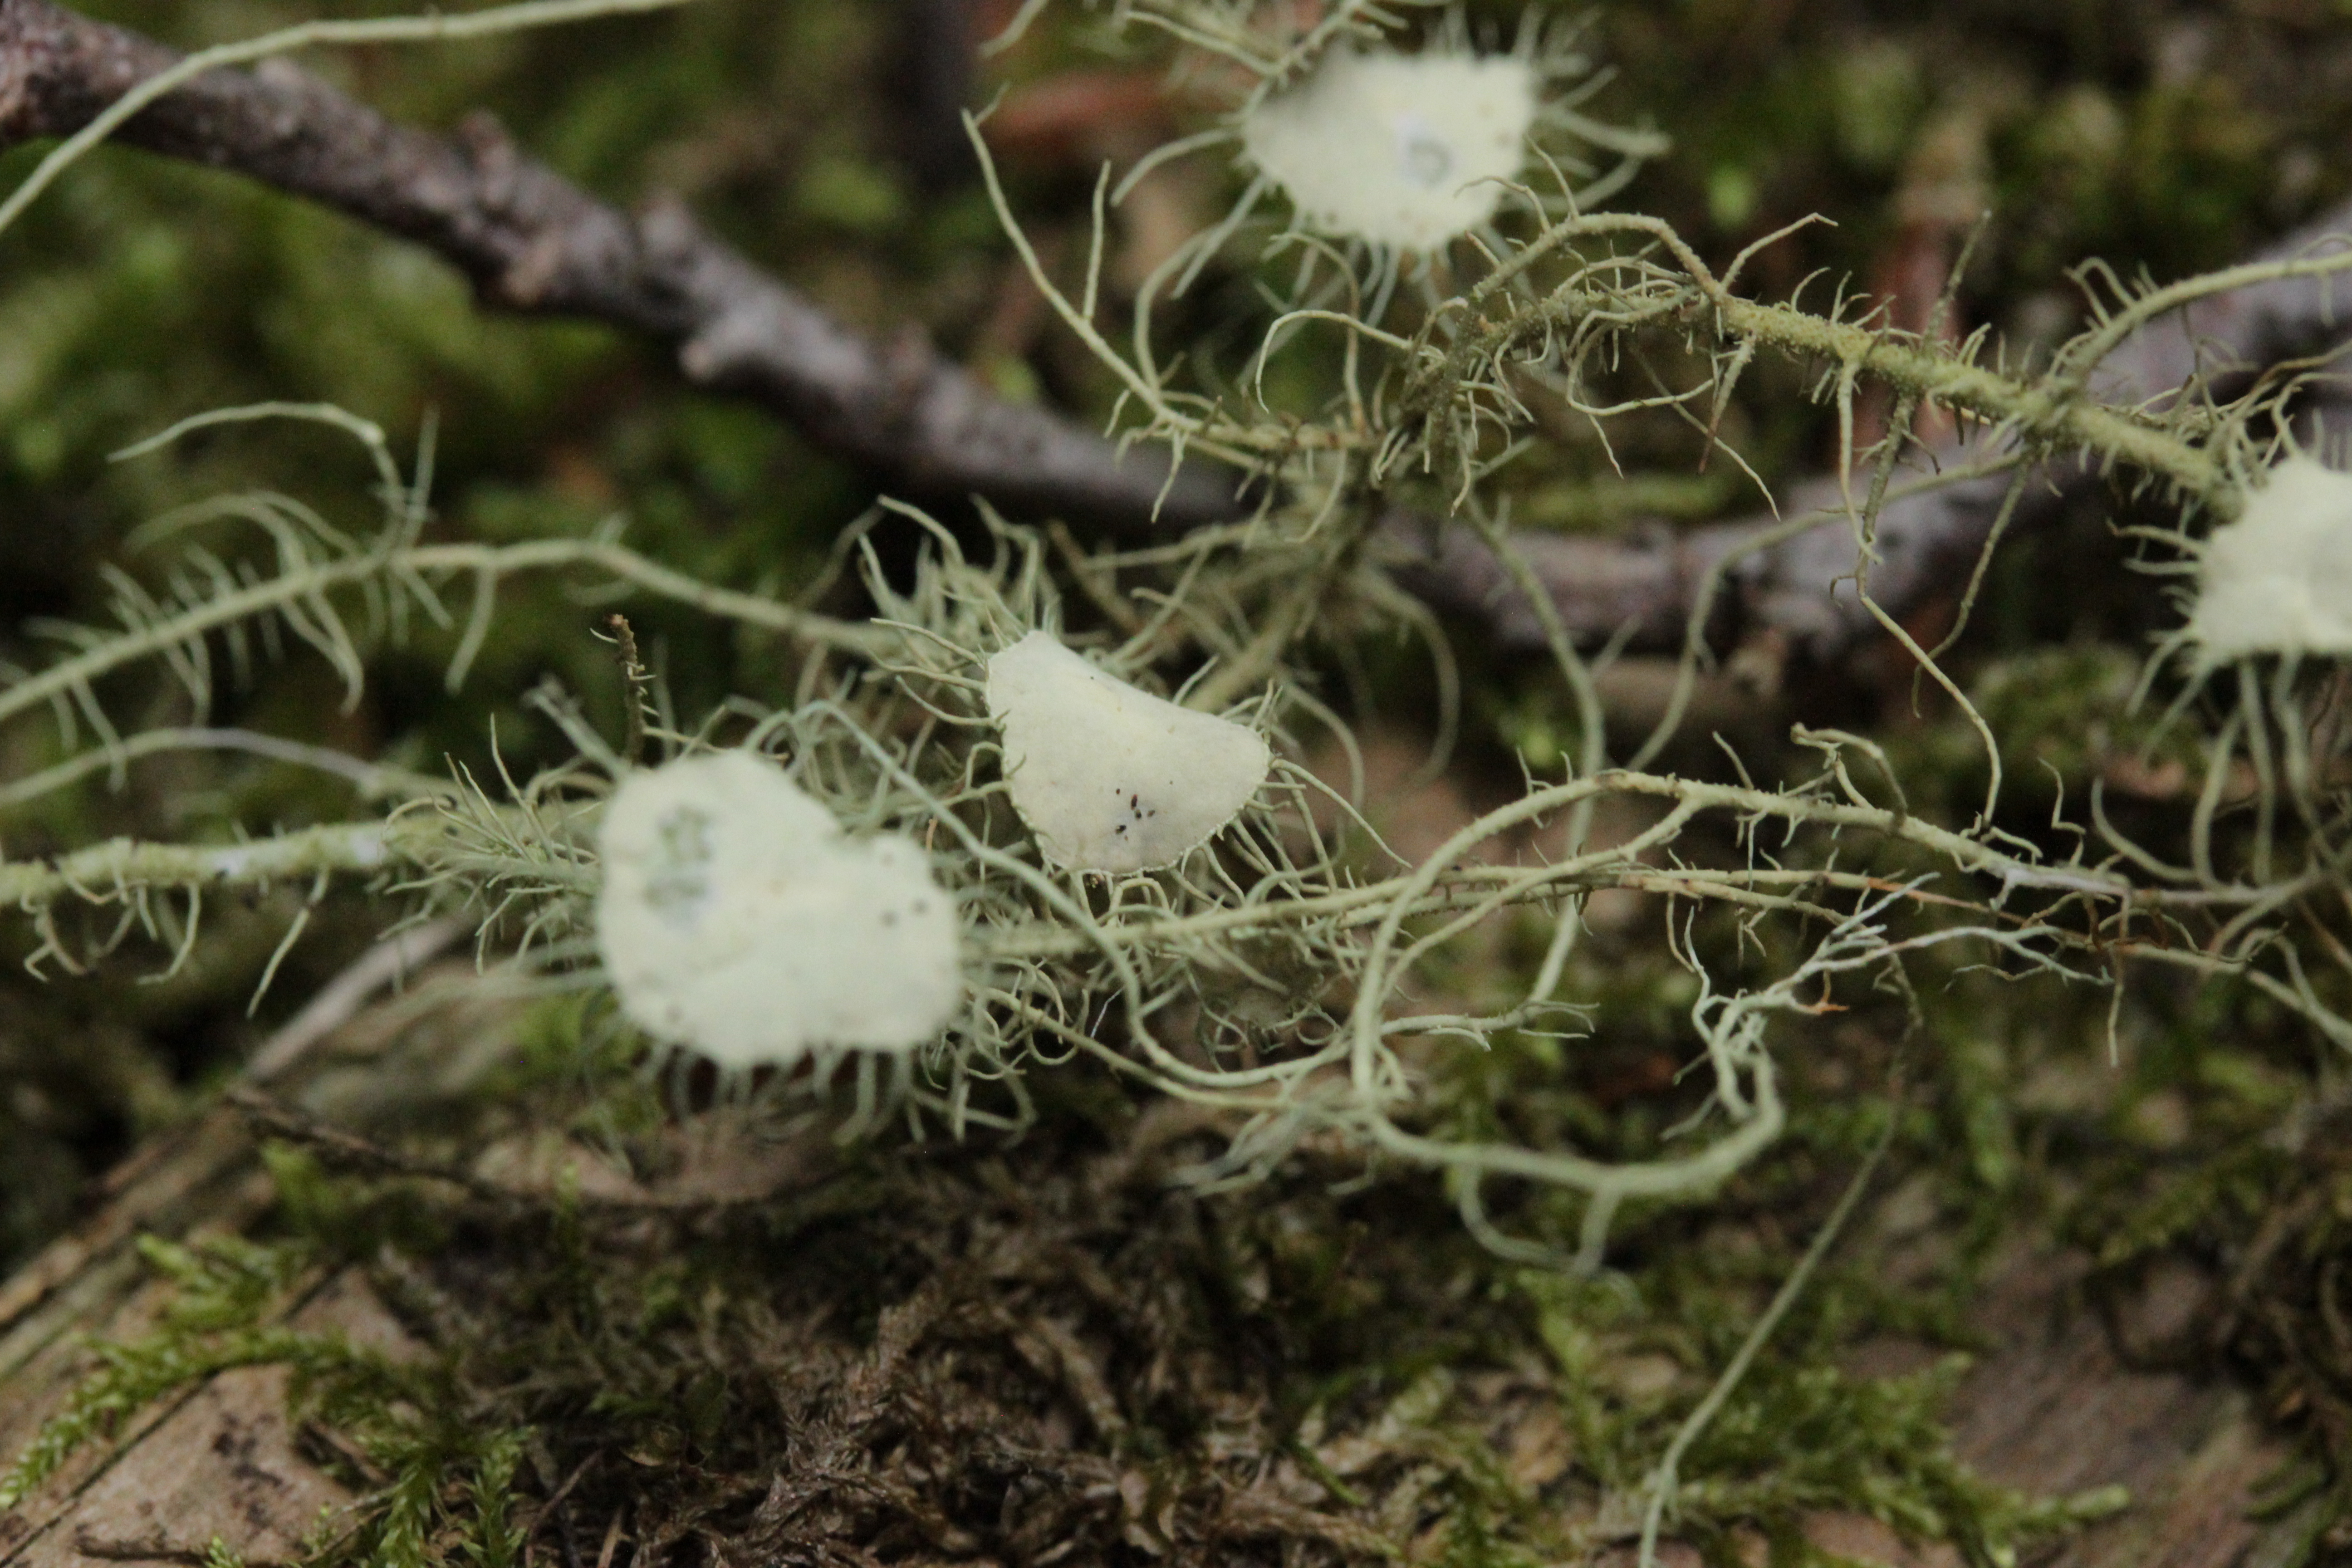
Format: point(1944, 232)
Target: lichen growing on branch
point(1055, 816)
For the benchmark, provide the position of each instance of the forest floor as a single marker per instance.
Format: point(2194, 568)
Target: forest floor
point(450, 1290)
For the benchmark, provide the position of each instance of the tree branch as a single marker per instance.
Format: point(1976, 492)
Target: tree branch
point(1928, 540)
point(532, 241)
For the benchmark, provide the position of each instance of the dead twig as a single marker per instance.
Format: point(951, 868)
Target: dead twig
point(531, 241)
point(158, 1548)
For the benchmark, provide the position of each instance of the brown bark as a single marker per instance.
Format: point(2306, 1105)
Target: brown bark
point(219, 1460)
point(531, 241)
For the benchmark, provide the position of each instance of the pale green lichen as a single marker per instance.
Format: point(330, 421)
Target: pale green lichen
point(1265, 974)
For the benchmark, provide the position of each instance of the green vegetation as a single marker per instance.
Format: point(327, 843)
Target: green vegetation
point(1174, 1249)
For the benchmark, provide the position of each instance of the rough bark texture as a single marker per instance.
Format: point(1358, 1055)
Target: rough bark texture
point(220, 1460)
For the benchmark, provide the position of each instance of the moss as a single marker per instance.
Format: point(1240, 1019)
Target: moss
point(946, 1351)
point(1060, 1346)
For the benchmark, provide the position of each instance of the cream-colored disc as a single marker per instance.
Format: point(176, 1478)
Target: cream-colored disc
point(1108, 777)
point(737, 919)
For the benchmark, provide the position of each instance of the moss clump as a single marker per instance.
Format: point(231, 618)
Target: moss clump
point(922, 1353)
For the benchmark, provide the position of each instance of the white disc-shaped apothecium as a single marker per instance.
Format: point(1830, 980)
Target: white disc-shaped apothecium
point(2279, 579)
point(736, 918)
point(1401, 151)
point(1110, 778)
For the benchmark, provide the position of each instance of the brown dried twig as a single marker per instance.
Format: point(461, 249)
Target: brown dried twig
point(531, 241)
point(158, 1548)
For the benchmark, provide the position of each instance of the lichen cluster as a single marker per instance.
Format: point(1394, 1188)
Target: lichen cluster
point(1295, 1001)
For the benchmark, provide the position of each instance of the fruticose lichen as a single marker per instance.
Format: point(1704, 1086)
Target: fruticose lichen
point(1259, 969)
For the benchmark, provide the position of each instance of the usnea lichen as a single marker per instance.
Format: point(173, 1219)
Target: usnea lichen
point(1232, 948)
point(1144, 891)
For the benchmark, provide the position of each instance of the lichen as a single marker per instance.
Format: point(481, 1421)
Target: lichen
point(1271, 1271)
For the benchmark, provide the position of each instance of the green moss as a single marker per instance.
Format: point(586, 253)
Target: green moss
point(870, 1328)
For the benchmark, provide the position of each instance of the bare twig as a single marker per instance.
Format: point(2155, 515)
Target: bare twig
point(158, 1548)
point(531, 241)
